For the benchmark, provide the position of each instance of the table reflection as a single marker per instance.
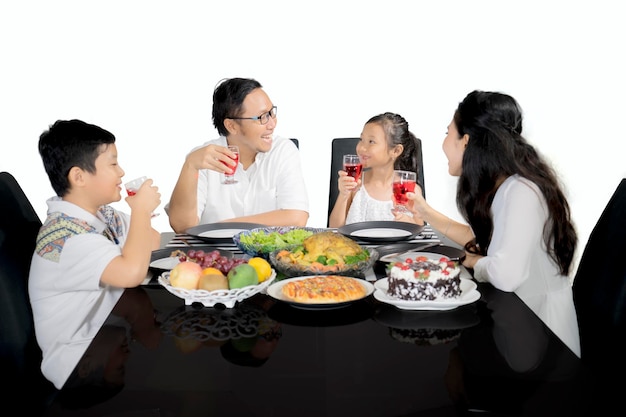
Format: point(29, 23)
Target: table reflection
point(268, 357)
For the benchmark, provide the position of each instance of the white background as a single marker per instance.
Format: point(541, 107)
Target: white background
point(145, 70)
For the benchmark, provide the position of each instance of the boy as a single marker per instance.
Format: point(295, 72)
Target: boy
point(86, 251)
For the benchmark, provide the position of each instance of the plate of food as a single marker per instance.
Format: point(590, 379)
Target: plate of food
point(220, 232)
point(265, 240)
point(380, 231)
point(320, 291)
point(468, 294)
point(166, 259)
point(324, 253)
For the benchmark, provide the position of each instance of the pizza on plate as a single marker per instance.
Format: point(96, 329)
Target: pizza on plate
point(324, 289)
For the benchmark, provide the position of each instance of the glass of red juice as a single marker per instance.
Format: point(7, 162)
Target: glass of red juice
point(403, 182)
point(133, 186)
point(229, 176)
point(353, 166)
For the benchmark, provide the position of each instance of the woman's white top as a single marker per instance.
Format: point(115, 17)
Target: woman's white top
point(517, 260)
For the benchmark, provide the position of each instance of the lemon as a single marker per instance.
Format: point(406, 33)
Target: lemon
point(262, 267)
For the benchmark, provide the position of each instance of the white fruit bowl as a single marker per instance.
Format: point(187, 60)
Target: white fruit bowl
point(210, 298)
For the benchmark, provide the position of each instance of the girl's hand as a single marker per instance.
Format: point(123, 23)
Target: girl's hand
point(347, 184)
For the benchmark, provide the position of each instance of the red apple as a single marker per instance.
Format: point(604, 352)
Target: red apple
point(186, 275)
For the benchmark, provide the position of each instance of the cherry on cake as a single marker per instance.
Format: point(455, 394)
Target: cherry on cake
point(424, 279)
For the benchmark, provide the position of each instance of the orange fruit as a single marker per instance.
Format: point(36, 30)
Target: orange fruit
point(262, 267)
point(212, 271)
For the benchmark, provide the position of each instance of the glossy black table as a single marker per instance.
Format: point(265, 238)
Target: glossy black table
point(268, 358)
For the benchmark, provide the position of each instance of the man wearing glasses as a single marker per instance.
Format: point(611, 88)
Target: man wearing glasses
point(269, 188)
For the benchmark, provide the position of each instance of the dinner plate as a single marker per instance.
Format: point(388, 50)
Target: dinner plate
point(380, 231)
point(449, 251)
point(162, 259)
point(275, 291)
point(220, 232)
point(469, 294)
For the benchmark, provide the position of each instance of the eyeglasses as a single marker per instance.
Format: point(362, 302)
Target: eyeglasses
point(263, 119)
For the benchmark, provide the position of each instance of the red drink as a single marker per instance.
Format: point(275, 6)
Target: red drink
point(353, 170)
point(229, 176)
point(131, 192)
point(400, 189)
point(236, 159)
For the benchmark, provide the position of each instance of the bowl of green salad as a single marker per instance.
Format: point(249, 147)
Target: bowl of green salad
point(262, 241)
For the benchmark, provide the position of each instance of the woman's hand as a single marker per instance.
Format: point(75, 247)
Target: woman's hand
point(416, 205)
point(471, 259)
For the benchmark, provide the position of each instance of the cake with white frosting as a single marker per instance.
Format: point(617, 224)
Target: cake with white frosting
point(424, 279)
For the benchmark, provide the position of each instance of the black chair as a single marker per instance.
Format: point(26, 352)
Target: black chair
point(20, 356)
point(295, 142)
point(600, 282)
point(342, 146)
point(600, 298)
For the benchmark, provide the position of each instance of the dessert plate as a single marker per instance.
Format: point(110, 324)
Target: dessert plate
point(469, 294)
point(162, 259)
point(275, 291)
point(380, 231)
point(220, 232)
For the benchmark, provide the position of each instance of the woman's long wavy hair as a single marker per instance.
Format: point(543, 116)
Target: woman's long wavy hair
point(496, 150)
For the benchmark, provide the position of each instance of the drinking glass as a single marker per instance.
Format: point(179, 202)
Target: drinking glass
point(229, 177)
point(403, 182)
point(353, 166)
point(133, 186)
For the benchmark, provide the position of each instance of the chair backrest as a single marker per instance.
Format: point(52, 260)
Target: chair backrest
point(295, 142)
point(19, 225)
point(600, 283)
point(342, 146)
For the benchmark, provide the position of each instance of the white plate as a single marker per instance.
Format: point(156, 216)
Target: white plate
point(162, 259)
point(165, 263)
point(220, 232)
point(469, 294)
point(380, 231)
point(275, 291)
